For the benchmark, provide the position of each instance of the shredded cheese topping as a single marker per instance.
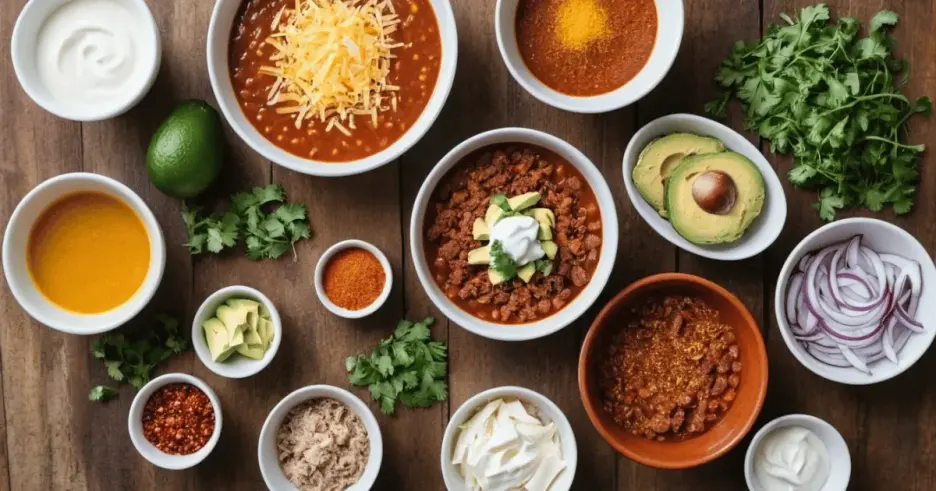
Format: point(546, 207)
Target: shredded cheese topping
point(332, 61)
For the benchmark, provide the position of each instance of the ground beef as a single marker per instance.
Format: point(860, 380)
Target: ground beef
point(464, 195)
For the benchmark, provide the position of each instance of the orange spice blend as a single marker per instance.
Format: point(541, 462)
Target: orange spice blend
point(353, 279)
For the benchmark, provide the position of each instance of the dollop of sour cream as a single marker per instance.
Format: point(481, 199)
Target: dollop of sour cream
point(94, 52)
point(517, 236)
point(792, 459)
point(504, 448)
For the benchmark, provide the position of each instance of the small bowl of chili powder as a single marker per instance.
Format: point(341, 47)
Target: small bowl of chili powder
point(175, 421)
point(353, 279)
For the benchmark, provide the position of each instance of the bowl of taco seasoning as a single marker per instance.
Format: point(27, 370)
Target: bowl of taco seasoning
point(175, 421)
point(331, 87)
point(588, 56)
point(353, 279)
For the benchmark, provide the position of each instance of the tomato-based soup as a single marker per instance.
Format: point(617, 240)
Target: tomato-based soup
point(586, 47)
point(413, 71)
point(88, 252)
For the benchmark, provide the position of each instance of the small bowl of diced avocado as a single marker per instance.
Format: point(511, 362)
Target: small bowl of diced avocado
point(236, 332)
point(704, 187)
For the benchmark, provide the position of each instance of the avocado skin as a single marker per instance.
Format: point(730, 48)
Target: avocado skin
point(190, 137)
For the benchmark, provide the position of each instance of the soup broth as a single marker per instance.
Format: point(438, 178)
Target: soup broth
point(88, 252)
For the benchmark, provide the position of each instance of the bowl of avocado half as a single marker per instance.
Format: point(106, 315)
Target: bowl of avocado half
point(704, 187)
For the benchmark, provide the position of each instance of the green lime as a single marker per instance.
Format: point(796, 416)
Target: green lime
point(184, 156)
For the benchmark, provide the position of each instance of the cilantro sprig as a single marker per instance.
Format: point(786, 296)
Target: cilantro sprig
point(501, 261)
point(407, 367)
point(131, 359)
point(268, 231)
point(832, 100)
point(101, 393)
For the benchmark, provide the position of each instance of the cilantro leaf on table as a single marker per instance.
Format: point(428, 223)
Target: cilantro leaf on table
point(101, 393)
point(131, 360)
point(501, 261)
point(407, 367)
point(820, 92)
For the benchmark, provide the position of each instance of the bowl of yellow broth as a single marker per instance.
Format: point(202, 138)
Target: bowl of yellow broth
point(83, 254)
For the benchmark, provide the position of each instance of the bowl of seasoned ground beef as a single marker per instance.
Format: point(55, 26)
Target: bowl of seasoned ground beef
point(514, 234)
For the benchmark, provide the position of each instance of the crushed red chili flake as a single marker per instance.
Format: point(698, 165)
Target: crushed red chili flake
point(178, 419)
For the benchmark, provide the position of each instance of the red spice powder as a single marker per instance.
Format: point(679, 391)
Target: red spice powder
point(178, 419)
point(353, 278)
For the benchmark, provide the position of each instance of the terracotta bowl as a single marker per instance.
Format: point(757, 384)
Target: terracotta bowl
point(715, 441)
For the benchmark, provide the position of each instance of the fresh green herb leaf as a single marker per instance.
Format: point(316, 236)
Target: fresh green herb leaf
point(544, 266)
point(501, 261)
point(101, 393)
point(501, 202)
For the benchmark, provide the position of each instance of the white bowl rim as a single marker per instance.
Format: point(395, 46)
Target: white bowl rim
point(147, 288)
point(320, 271)
point(585, 299)
point(245, 367)
point(319, 391)
point(50, 104)
point(807, 421)
point(625, 95)
point(153, 454)
point(454, 480)
point(769, 224)
point(880, 374)
point(448, 34)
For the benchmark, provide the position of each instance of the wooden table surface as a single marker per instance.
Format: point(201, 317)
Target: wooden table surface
point(57, 439)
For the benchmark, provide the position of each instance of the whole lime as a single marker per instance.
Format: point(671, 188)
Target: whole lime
point(184, 156)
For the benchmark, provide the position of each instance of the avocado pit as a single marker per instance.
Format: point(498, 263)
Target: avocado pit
point(715, 192)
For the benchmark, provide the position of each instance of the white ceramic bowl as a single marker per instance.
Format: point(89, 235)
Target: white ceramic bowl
point(669, 36)
point(15, 243)
point(763, 231)
point(882, 237)
point(454, 481)
point(268, 456)
point(609, 236)
point(151, 453)
point(320, 271)
point(839, 457)
point(23, 52)
point(236, 366)
point(219, 30)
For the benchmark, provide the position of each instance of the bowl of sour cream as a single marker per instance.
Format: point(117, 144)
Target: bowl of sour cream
point(86, 60)
point(797, 452)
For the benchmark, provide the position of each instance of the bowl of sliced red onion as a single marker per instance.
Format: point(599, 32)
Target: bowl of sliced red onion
point(855, 301)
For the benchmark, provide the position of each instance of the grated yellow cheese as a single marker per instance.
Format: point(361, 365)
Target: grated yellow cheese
point(332, 60)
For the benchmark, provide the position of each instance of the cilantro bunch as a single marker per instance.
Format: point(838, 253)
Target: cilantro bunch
point(267, 235)
point(132, 359)
point(407, 367)
point(832, 100)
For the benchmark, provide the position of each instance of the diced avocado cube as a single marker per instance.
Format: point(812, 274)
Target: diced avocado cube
point(480, 230)
point(524, 201)
point(526, 272)
point(545, 232)
point(251, 336)
point(264, 312)
point(216, 337)
point(494, 213)
point(251, 305)
point(551, 248)
point(254, 351)
point(481, 255)
point(542, 215)
point(265, 329)
point(495, 277)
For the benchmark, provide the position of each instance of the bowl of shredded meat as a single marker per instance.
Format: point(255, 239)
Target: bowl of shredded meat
point(673, 371)
point(514, 234)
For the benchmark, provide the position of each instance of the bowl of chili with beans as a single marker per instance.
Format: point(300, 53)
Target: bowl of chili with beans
point(175, 421)
point(421, 71)
point(458, 191)
point(673, 371)
point(588, 56)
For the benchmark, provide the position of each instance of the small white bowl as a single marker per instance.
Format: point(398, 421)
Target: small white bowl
point(23, 53)
point(148, 450)
point(15, 244)
point(320, 271)
point(882, 237)
point(454, 481)
point(839, 457)
point(670, 19)
point(236, 366)
point(763, 231)
point(609, 236)
point(268, 456)
point(219, 31)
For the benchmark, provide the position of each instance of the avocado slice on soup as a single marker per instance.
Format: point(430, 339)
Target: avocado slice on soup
point(713, 198)
point(661, 156)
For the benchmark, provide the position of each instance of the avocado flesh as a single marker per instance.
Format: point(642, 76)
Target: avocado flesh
point(493, 214)
point(551, 248)
point(660, 157)
point(700, 227)
point(239, 325)
point(495, 277)
point(523, 201)
point(481, 255)
point(480, 230)
point(526, 272)
point(542, 215)
point(217, 339)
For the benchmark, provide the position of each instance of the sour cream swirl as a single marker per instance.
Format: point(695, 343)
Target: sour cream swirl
point(518, 235)
point(792, 459)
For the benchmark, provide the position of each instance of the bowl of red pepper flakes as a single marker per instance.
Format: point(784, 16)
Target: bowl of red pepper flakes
point(175, 421)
